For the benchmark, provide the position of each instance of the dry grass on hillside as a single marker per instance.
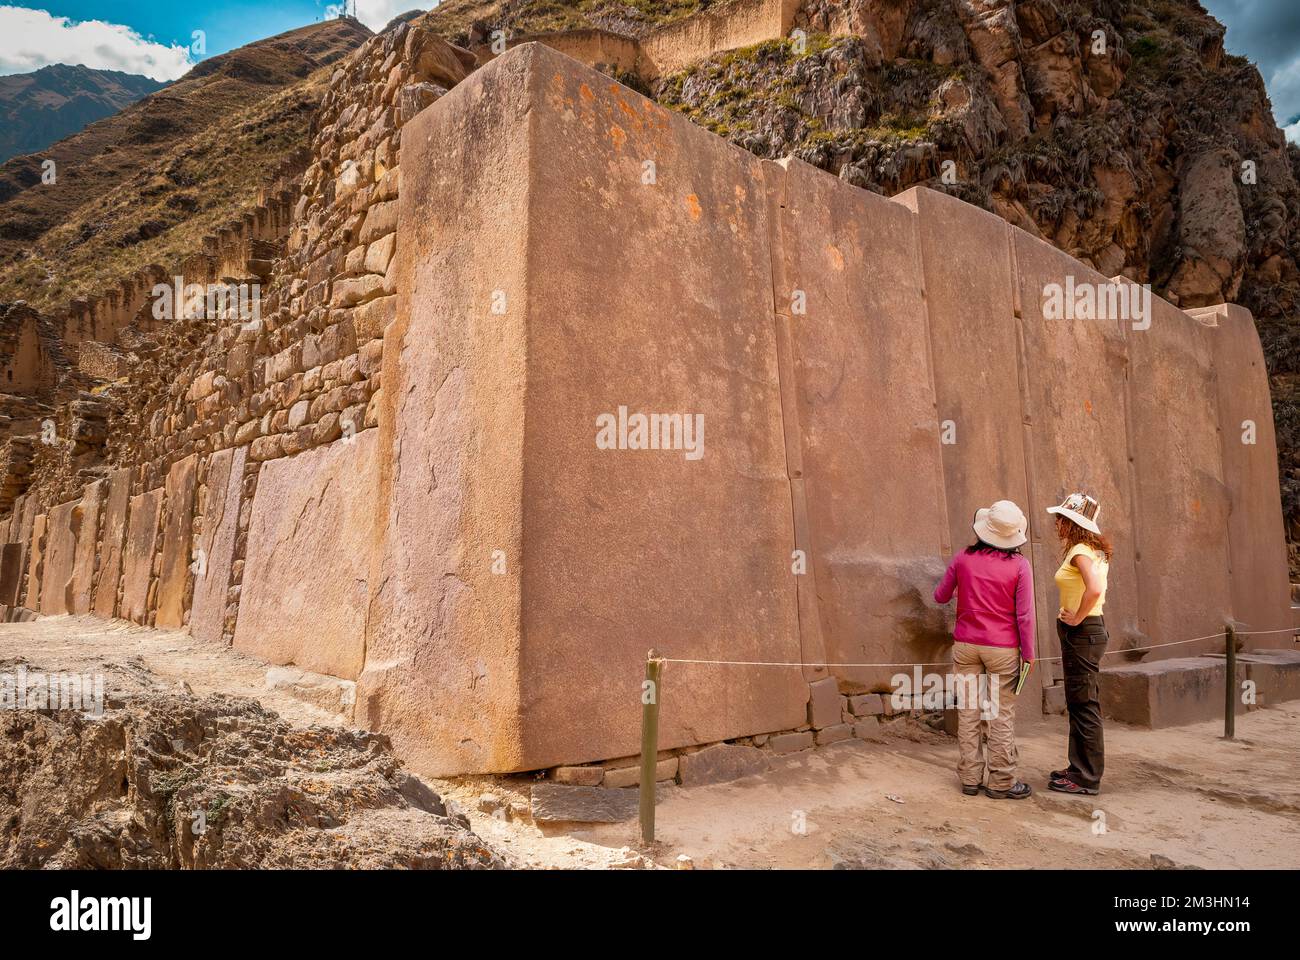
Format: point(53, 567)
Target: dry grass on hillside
point(144, 185)
point(453, 18)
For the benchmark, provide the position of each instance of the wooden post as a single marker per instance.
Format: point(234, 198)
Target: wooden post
point(650, 694)
point(1230, 683)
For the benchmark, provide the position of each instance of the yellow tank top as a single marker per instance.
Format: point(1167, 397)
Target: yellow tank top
point(1069, 579)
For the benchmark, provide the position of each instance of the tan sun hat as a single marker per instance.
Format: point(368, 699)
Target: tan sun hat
point(1080, 508)
point(1001, 525)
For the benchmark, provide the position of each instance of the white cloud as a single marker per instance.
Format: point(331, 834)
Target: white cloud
point(1293, 132)
point(375, 14)
point(1284, 91)
point(31, 39)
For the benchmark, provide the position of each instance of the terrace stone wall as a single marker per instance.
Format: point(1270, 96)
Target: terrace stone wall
point(673, 46)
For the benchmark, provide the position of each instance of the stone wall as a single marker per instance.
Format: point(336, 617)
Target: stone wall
point(211, 395)
point(917, 318)
point(671, 47)
point(727, 27)
point(393, 477)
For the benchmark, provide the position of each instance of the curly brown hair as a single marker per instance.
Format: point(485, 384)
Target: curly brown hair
point(1071, 533)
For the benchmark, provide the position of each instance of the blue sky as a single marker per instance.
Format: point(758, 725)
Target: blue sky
point(154, 37)
point(1268, 32)
point(228, 23)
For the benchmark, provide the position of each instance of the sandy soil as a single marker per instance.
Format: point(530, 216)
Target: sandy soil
point(1181, 796)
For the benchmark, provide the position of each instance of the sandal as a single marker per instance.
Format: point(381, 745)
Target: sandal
point(1018, 791)
point(1066, 785)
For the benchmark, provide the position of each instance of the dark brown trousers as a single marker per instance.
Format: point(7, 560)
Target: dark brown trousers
point(1081, 650)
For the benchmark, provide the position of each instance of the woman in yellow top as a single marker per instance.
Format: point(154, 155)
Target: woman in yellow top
point(1081, 581)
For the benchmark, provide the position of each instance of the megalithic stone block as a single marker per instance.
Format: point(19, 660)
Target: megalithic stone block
point(965, 263)
point(87, 526)
point(571, 255)
point(35, 563)
point(304, 592)
point(109, 576)
point(1256, 544)
point(60, 553)
point(872, 471)
point(11, 573)
point(217, 544)
point(521, 570)
point(175, 573)
point(1181, 503)
point(1077, 430)
point(141, 542)
point(21, 526)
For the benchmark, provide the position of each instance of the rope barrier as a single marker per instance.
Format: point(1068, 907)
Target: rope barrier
point(654, 676)
point(936, 663)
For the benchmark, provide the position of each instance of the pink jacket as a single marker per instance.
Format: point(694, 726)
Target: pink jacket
point(995, 600)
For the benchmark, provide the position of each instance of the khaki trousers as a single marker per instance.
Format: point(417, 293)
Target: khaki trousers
point(1002, 664)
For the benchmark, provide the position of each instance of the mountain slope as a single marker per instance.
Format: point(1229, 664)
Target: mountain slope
point(39, 108)
point(196, 150)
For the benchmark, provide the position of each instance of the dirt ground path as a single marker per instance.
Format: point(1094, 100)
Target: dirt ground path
point(1177, 797)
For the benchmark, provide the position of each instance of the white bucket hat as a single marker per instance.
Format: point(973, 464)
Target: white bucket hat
point(1001, 525)
point(1080, 508)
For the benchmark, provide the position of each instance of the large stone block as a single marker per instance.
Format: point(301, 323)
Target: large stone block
point(1181, 503)
point(1163, 693)
point(560, 803)
point(86, 523)
point(870, 471)
point(137, 566)
point(35, 562)
point(1178, 690)
point(216, 548)
point(11, 573)
point(178, 516)
point(60, 555)
point(109, 576)
point(1275, 674)
point(965, 260)
point(304, 593)
point(722, 762)
point(1076, 429)
point(1256, 543)
point(825, 705)
point(21, 533)
point(517, 595)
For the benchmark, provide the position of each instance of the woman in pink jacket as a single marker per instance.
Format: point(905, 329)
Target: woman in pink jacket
point(995, 631)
